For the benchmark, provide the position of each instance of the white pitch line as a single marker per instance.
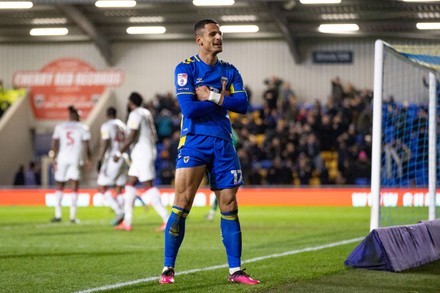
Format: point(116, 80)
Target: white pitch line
point(145, 280)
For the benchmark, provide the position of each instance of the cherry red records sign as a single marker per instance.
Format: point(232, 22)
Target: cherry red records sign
point(65, 82)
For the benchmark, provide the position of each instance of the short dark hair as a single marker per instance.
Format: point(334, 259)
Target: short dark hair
point(201, 25)
point(136, 98)
point(111, 112)
point(73, 112)
point(72, 109)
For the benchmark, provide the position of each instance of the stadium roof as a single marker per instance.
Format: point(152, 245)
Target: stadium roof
point(290, 20)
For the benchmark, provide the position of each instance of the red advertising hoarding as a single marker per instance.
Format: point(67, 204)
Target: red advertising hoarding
point(356, 197)
point(64, 82)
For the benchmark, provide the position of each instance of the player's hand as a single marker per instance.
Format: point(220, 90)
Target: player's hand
point(225, 92)
point(202, 93)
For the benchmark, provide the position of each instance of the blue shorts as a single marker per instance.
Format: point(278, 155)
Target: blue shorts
point(219, 156)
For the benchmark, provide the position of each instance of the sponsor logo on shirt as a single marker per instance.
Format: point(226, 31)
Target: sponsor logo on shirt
point(213, 89)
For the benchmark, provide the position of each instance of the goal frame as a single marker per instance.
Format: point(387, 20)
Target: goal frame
point(377, 136)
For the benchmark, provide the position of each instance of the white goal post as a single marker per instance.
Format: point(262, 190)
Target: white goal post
point(382, 51)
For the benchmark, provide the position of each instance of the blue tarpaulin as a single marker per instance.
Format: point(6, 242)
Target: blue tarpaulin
point(397, 248)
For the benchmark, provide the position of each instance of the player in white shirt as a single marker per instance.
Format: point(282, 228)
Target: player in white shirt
point(142, 138)
point(70, 141)
point(111, 173)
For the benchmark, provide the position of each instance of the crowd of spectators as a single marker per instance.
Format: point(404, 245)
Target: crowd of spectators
point(29, 175)
point(8, 97)
point(283, 141)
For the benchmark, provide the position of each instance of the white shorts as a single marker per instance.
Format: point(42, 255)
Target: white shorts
point(113, 173)
point(67, 171)
point(142, 166)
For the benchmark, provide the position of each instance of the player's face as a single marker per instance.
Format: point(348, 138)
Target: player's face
point(211, 40)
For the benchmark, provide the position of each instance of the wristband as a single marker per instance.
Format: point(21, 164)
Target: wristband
point(118, 154)
point(214, 97)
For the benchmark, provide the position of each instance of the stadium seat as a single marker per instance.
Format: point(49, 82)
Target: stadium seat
point(314, 181)
point(260, 139)
point(330, 159)
point(362, 181)
point(327, 155)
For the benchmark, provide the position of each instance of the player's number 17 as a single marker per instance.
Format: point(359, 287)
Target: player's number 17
point(237, 176)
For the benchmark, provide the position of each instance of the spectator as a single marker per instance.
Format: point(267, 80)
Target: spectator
point(326, 133)
point(32, 175)
point(249, 94)
point(270, 96)
point(313, 151)
point(360, 169)
point(164, 124)
point(287, 95)
point(19, 176)
point(290, 153)
point(303, 169)
point(254, 177)
point(337, 94)
point(365, 120)
point(279, 173)
point(291, 109)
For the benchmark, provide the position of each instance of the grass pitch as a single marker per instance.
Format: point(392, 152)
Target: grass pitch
point(290, 249)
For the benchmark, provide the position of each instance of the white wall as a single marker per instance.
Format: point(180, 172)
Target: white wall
point(149, 66)
point(16, 142)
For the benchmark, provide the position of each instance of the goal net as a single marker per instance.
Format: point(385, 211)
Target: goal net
point(404, 155)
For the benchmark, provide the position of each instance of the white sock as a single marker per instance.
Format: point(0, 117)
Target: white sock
point(120, 200)
point(74, 197)
point(233, 270)
point(153, 196)
point(112, 202)
point(59, 198)
point(166, 268)
point(129, 197)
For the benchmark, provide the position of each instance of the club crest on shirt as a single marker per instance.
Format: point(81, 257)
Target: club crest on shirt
point(186, 159)
point(182, 79)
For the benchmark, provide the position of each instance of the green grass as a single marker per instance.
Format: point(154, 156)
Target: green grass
point(392, 216)
point(37, 256)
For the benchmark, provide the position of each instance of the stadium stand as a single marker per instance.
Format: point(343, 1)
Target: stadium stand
point(8, 97)
point(315, 142)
